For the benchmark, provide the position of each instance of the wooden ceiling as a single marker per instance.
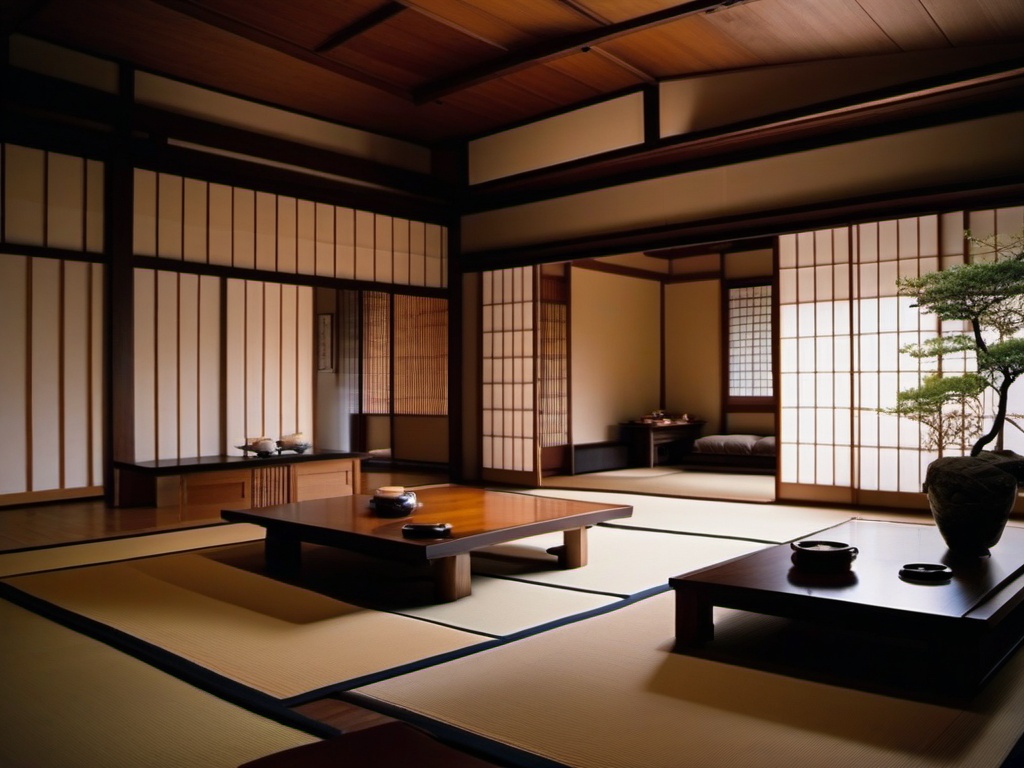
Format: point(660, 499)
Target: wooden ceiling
point(438, 70)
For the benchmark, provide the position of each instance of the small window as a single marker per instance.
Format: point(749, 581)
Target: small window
point(749, 353)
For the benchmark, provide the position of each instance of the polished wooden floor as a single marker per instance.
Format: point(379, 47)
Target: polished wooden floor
point(42, 525)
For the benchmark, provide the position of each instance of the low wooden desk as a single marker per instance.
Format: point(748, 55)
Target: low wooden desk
point(479, 518)
point(970, 624)
point(644, 439)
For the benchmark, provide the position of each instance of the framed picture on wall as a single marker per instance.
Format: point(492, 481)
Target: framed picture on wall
point(325, 342)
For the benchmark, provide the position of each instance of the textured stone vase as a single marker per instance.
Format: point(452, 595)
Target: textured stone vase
point(971, 498)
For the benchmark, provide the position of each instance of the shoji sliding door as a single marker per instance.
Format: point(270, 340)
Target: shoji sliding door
point(842, 326)
point(51, 316)
point(510, 449)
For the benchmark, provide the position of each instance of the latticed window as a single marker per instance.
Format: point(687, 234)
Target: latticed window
point(750, 342)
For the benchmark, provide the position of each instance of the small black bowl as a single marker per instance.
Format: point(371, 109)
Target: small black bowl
point(394, 506)
point(823, 556)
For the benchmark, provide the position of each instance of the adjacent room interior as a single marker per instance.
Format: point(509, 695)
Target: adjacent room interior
point(637, 265)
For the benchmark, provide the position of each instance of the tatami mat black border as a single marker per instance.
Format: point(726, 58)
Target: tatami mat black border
point(386, 674)
point(235, 693)
point(122, 537)
point(455, 736)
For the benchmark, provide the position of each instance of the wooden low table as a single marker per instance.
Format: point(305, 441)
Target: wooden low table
point(963, 629)
point(479, 518)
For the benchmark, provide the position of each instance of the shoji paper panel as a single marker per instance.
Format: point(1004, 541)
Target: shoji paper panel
point(51, 200)
point(509, 412)
point(841, 330)
point(24, 195)
point(46, 354)
point(52, 409)
point(231, 226)
point(177, 365)
point(14, 373)
point(269, 361)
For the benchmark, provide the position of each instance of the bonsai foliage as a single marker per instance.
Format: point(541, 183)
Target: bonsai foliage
point(988, 295)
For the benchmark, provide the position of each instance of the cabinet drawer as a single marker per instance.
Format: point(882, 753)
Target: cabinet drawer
point(323, 479)
point(205, 494)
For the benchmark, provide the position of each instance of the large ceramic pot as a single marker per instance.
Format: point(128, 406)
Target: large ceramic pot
point(971, 498)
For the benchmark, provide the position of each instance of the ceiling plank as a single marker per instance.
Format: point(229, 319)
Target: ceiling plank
point(235, 27)
point(369, 21)
point(558, 47)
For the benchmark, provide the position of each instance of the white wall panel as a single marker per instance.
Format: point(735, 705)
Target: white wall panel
point(94, 206)
point(188, 365)
point(234, 367)
point(24, 195)
point(254, 371)
point(287, 234)
point(365, 254)
point(170, 216)
point(14, 374)
point(75, 375)
point(244, 228)
point(144, 233)
point(211, 441)
point(345, 229)
point(194, 243)
point(324, 257)
point(46, 372)
point(384, 249)
point(272, 368)
point(306, 238)
point(266, 231)
point(145, 365)
point(221, 205)
point(167, 385)
point(65, 198)
point(289, 380)
point(982, 148)
point(97, 373)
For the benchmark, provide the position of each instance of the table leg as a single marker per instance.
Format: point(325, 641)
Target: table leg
point(573, 552)
point(694, 621)
point(283, 554)
point(452, 578)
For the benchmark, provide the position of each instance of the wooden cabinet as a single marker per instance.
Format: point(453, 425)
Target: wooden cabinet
point(205, 494)
point(323, 479)
point(202, 487)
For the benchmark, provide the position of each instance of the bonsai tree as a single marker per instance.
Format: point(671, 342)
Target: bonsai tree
point(987, 294)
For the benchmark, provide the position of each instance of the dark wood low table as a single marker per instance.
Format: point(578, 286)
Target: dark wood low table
point(479, 518)
point(643, 440)
point(965, 627)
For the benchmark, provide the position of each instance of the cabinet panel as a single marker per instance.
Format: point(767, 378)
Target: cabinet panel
point(205, 494)
point(323, 479)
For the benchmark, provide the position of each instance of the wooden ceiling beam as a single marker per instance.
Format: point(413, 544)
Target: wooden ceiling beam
point(268, 40)
point(369, 21)
point(558, 47)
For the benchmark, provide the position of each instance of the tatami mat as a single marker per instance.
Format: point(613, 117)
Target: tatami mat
point(774, 523)
point(496, 607)
point(622, 561)
point(72, 701)
point(270, 636)
point(608, 693)
point(673, 481)
point(112, 550)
